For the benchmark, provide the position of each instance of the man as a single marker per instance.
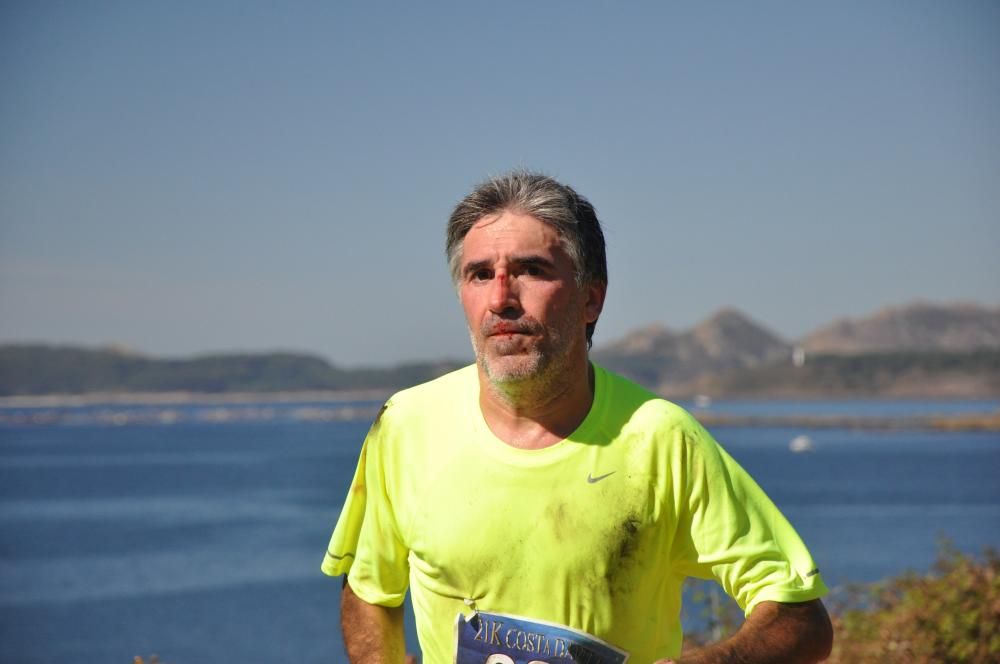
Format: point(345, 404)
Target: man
point(540, 508)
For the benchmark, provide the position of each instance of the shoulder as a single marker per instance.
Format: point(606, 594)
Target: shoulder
point(420, 417)
point(655, 428)
point(437, 397)
point(630, 405)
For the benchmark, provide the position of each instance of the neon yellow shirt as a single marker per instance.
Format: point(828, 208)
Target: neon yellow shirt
point(596, 532)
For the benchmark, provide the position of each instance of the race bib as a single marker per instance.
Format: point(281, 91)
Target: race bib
point(497, 638)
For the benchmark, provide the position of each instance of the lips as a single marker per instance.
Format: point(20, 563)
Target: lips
point(507, 329)
point(505, 332)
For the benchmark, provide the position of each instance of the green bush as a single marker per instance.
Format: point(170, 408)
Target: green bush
point(949, 615)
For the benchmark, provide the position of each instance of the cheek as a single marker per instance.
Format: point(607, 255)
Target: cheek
point(470, 307)
point(559, 299)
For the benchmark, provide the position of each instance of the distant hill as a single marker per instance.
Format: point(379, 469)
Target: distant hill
point(917, 327)
point(936, 374)
point(928, 350)
point(668, 361)
point(28, 369)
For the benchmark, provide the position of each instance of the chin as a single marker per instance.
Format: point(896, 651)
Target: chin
point(512, 368)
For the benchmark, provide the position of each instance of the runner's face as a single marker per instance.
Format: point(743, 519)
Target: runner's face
point(523, 306)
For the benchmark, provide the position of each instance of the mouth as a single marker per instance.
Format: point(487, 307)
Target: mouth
point(507, 331)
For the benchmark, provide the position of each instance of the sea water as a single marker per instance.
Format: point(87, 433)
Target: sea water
point(201, 540)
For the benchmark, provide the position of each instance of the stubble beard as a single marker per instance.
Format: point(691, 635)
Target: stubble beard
point(513, 368)
point(510, 362)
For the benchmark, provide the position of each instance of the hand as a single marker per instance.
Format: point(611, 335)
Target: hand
point(796, 633)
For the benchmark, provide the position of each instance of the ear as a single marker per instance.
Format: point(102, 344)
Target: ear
point(594, 304)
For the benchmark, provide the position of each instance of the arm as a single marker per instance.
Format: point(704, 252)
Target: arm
point(372, 634)
point(775, 632)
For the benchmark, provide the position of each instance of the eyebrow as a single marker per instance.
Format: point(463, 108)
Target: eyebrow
point(521, 261)
point(532, 259)
point(475, 266)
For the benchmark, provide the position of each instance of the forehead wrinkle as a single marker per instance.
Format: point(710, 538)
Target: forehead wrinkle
point(541, 236)
point(548, 253)
point(486, 220)
point(510, 241)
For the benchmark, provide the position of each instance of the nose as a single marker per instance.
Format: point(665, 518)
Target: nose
point(503, 295)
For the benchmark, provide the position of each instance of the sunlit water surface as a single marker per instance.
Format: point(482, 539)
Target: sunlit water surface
point(201, 541)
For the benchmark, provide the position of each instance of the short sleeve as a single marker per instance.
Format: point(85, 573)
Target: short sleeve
point(366, 544)
point(729, 530)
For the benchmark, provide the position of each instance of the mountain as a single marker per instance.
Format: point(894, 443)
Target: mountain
point(920, 327)
point(930, 350)
point(920, 350)
point(669, 361)
point(41, 369)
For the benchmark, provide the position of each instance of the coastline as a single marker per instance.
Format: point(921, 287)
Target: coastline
point(985, 422)
point(181, 398)
point(360, 405)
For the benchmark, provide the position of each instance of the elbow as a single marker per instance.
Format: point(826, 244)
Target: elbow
point(806, 630)
point(821, 634)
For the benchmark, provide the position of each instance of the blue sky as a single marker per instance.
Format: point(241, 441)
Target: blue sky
point(185, 177)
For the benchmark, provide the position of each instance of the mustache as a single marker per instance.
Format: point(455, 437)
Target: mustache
point(524, 325)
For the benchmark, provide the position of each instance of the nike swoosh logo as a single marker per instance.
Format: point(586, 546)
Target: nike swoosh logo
point(594, 480)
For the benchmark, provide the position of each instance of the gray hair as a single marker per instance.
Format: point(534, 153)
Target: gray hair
point(558, 205)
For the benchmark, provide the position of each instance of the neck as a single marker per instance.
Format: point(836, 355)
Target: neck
point(540, 411)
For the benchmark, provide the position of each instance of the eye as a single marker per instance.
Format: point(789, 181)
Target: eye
point(532, 270)
point(481, 274)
